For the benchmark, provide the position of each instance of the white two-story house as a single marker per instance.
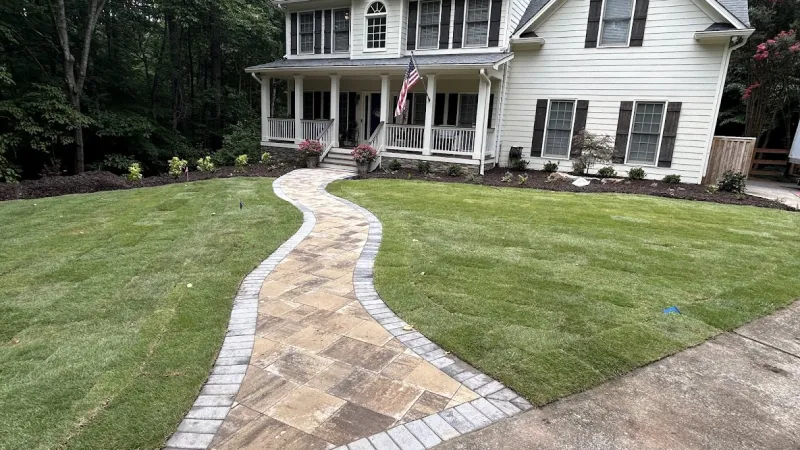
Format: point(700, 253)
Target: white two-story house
point(506, 73)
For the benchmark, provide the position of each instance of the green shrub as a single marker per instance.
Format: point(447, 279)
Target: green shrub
point(519, 164)
point(522, 178)
point(637, 173)
point(606, 172)
point(134, 172)
point(265, 157)
point(732, 182)
point(424, 167)
point(507, 177)
point(205, 165)
point(8, 171)
point(551, 167)
point(177, 166)
point(590, 148)
point(453, 170)
point(672, 179)
point(241, 161)
point(395, 165)
point(116, 163)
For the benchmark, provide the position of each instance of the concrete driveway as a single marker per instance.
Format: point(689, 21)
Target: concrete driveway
point(786, 193)
point(740, 390)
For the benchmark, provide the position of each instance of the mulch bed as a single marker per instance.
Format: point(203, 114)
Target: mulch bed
point(106, 181)
point(539, 180)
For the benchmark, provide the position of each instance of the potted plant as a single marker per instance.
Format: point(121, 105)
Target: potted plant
point(311, 150)
point(363, 155)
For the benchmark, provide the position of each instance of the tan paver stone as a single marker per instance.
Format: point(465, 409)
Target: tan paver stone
point(330, 377)
point(371, 332)
point(428, 377)
point(322, 300)
point(427, 404)
point(401, 367)
point(299, 313)
point(298, 366)
point(355, 309)
point(264, 349)
point(312, 338)
point(238, 417)
point(359, 354)
point(305, 408)
point(273, 289)
point(352, 422)
point(463, 395)
point(333, 273)
point(261, 389)
point(342, 323)
point(394, 344)
point(340, 286)
point(277, 307)
point(378, 393)
point(266, 433)
point(283, 330)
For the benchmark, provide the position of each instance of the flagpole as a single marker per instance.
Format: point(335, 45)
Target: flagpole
point(421, 78)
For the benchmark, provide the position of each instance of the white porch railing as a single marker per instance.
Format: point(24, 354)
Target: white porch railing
point(280, 129)
point(453, 140)
point(326, 138)
point(405, 137)
point(312, 129)
point(376, 141)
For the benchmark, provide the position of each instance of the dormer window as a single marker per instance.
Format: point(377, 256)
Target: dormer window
point(476, 26)
point(616, 24)
point(306, 32)
point(428, 33)
point(376, 26)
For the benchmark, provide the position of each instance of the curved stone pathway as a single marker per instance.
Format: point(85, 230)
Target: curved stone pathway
point(314, 359)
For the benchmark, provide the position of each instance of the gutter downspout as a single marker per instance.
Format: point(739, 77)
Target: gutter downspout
point(483, 144)
point(501, 115)
point(255, 77)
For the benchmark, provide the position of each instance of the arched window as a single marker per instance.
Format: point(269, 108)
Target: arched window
point(376, 26)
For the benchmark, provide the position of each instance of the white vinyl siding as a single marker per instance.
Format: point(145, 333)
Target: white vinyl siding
point(341, 31)
point(615, 27)
point(646, 128)
point(428, 24)
point(558, 132)
point(670, 66)
point(476, 23)
point(306, 32)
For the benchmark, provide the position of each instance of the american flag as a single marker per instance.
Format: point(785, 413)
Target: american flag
point(412, 76)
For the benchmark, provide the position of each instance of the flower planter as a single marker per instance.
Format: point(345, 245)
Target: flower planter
point(312, 161)
point(363, 168)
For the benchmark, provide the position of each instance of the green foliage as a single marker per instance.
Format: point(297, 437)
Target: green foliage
point(395, 165)
point(177, 166)
point(134, 172)
point(242, 138)
point(116, 163)
point(453, 170)
point(637, 173)
point(8, 173)
point(731, 181)
point(522, 178)
point(519, 164)
point(606, 172)
point(672, 179)
point(241, 161)
point(591, 148)
point(424, 167)
point(205, 165)
point(550, 167)
point(265, 157)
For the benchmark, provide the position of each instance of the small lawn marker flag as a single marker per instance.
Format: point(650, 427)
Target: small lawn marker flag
point(411, 78)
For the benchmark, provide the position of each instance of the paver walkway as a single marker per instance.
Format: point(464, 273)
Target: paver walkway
point(323, 371)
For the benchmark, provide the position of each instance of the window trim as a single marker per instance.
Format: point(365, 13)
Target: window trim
point(660, 133)
point(367, 16)
point(438, 25)
point(571, 127)
point(464, 30)
point(602, 24)
point(299, 34)
point(349, 12)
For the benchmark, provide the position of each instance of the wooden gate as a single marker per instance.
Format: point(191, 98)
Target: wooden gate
point(729, 153)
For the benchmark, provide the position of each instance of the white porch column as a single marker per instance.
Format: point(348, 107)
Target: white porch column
point(298, 108)
point(430, 108)
point(482, 116)
point(386, 100)
point(266, 103)
point(335, 82)
point(289, 99)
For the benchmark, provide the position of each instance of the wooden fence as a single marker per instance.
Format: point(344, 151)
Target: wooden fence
point(770, 162)
point(729, 153)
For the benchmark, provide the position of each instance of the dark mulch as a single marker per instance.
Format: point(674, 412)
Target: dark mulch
point(538, 180)
point(107, 181)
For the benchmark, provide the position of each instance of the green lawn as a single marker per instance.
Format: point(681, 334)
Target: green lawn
point(102, 344)
point(555, 292)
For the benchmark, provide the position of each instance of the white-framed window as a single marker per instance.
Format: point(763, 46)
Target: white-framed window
point(420, 103)
point(558, 130)
point(467, 110)
point(428, 24)
point(616, 23)
point(306, 32)
point(476, 23)
point(647, 125)
point(376, 26)
point(341, 30)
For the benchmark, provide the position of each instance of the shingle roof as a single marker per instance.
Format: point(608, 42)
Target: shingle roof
point(736, 7)
point(422, 60)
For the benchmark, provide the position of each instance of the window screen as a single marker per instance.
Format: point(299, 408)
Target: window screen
point(307, 32)
point(616, 22)
point(645, 133)
point(476, 30)
point(467, 110)
point(341, 31)
point(429, 24)
point(559, 128)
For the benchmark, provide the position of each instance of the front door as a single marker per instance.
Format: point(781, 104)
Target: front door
point(372, 113)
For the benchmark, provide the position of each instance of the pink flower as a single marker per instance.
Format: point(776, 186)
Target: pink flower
point(749, 90)
point(795, 48)
point(771, 41)
point(761, 56)
point(762, 47)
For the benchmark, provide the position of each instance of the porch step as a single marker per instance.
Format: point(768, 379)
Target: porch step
point(335, 166)
point(341, 160)
point(340, 151)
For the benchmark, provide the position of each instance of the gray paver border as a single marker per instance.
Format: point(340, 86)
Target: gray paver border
point(201, 423)
point(496, 402)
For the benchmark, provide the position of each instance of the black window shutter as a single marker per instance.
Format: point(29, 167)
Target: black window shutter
point(317, 32)
point(494, 23)
point(328, 29)
point(491, 111)
point(538, 128)
point(452, 109)
point(581, 111)
point(411, 35)
point(670, 132)
point(438, 110)
point(623, 128)
point(639, 19)
point(593, 25)
point(458, 23)
point(293, 48)
point(326, 105)
point(444, 26)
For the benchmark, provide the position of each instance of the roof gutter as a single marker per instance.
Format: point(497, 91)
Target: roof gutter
point(373, 67)
point(712, 35)
point(527, 42)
